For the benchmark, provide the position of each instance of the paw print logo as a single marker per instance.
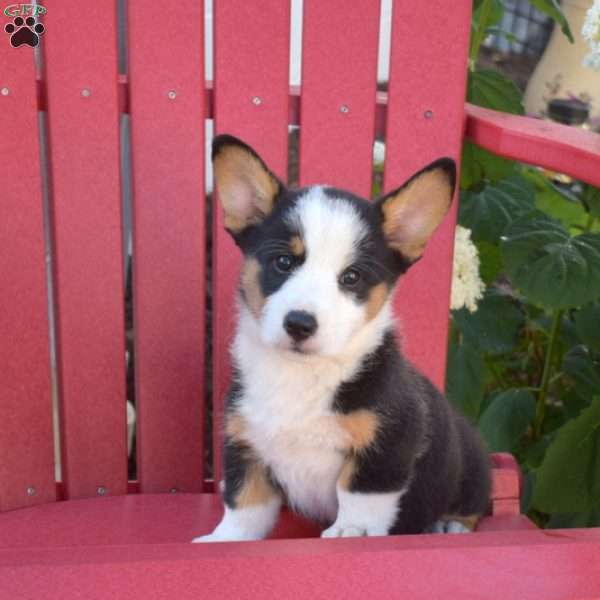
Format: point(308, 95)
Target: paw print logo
point(24, 31)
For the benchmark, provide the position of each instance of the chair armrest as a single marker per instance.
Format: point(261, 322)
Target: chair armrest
point(535, 141)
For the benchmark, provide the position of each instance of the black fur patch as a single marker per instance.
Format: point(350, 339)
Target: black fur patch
point(421, 443)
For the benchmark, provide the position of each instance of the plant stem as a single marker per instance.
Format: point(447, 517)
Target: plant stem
point(479, 33)
point(540, 411)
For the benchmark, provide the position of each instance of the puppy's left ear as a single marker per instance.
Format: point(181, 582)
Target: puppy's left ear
point(413, 212)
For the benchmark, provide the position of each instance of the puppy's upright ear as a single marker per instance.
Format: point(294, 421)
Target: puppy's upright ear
point(246, 188)
point(413, 212)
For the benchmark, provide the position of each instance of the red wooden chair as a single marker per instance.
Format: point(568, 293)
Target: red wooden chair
point(96, 535)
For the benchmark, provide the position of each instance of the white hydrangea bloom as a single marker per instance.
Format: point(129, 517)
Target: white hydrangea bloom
point(592, 60)
point(467, 287)
point(591, 34)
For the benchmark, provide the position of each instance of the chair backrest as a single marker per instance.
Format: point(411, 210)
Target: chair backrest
point(81, 96)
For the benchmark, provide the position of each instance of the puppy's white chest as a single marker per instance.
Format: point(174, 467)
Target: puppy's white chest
point(300, 440)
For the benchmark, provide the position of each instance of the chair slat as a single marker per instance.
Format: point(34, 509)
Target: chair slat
point(251, 101)
point(337, 106)
point(26, 442)
point(424, 122)
point(81, 73)
point(166, 75)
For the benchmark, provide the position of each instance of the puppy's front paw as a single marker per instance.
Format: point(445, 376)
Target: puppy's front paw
point(336, 531)
point(211, 537)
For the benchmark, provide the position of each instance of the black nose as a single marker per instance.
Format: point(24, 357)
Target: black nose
point(299, 325)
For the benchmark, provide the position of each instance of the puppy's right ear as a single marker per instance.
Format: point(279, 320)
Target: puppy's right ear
point(246, 187)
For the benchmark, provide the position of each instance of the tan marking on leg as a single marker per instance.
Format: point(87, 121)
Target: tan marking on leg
point(377, 297)
point(362, 427)
point(257, 488)
point(235, 427)
point(251, 286)
point(297, 246)
point(470, 521)
point(346, 474)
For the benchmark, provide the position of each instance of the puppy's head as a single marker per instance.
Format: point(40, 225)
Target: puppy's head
point(320, 263)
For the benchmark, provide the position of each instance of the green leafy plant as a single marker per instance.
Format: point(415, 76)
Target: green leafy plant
point(525, 366)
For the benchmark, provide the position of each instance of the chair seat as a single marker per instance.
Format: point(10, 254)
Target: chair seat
point(149, 519)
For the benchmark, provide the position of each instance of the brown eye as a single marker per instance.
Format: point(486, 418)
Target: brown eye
point(284, 263)
point(350, 278)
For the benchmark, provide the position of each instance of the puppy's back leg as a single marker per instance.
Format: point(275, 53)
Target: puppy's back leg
point(454, 524)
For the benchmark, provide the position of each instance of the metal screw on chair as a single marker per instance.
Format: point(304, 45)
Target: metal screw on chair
point(31, 491)
point(257, 101)
point(344, 109)
point(85, 93)
point(101, 491)
point(173, 490)
point(429, 114)
point(5, 91)
point(172, 94)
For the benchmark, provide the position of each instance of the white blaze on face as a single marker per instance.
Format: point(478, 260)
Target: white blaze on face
point(331, 231)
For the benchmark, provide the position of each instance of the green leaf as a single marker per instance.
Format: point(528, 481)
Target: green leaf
point(464, 381)
point(490, 261)
point(491, 89)
point(527, 494)
point(587, 324)
point(495, 15)
point(575, 401)
point(480, 165)
point(581, 366)
point(569, 478)
point(494, 326)
point(534, 453)
point(472, 171)
point(553, 10)
point(506, 419)
point(570, 213)
point(489, 212)
point(577, 520)
point(591, 197)
point(550, 267)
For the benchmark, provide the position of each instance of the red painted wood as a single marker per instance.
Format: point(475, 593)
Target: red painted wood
point(165, 518)
point(86, 202)
point(166, 57)
point(551, 145)
point(507, 565)
point(251, 102)
point(26, 442)
point(427, 79)
point(339, 80)
point(507, 485)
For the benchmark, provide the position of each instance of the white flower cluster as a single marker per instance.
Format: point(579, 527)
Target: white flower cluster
point(591, 34)
point(467, 287)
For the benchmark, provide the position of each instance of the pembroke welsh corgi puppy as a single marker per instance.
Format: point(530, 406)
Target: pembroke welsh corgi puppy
point(324, 413)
